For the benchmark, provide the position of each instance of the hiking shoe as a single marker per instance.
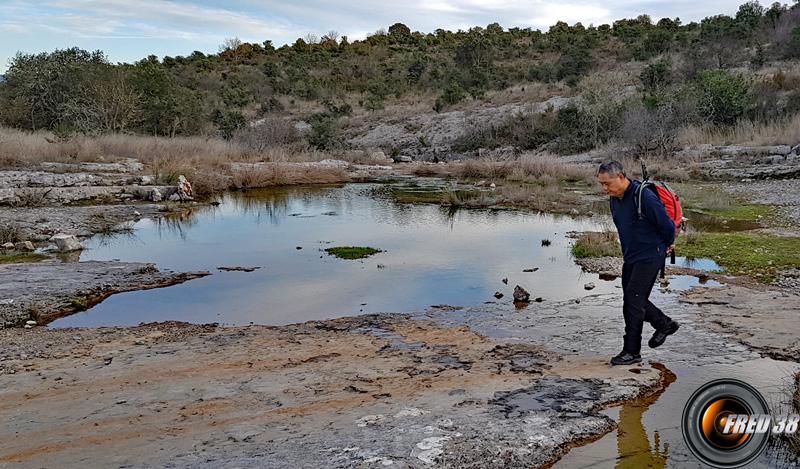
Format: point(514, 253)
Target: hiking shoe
point(626, 358)
point(660, 336)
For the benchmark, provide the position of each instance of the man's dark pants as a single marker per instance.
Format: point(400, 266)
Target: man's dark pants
point(637, 282)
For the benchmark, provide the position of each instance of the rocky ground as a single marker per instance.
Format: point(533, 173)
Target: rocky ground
point(486, 386)
point(45, 291)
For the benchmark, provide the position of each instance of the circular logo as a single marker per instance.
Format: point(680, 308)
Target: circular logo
point(726, 423)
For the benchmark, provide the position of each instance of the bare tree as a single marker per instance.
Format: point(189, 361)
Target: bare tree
point(230, 43)
point(331, 36)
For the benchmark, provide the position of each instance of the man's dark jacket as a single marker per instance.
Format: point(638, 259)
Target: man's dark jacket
point(644, 239)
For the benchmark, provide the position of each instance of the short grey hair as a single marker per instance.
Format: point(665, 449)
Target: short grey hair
point(612, 168)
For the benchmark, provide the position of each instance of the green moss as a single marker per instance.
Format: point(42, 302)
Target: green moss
point(20, 257)
point(753, 254)
point(352, 252)
point(592, 244)
point(713, 201)
point(79, 303)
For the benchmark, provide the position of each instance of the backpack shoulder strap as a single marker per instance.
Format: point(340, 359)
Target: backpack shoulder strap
point(637, 199)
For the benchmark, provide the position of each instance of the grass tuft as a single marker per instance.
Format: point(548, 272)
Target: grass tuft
point(352, 252)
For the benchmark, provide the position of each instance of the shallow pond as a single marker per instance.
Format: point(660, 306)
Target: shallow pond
point(431, 256)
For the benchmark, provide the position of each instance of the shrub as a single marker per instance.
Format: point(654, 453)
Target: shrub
point(268, 133)
point(453, 94)
point(651, 130)
point(325, 133)
point(723, 96)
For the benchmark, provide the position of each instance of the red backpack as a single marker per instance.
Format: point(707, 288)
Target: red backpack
point(665, 194)
point(671, 202)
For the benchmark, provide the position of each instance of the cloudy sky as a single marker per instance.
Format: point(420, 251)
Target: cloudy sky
point(128, 30)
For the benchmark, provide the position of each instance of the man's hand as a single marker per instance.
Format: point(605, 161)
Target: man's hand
point(670, 249)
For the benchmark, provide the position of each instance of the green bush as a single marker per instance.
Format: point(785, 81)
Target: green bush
point(325, 133)
point(453, 94)
point(723, 97)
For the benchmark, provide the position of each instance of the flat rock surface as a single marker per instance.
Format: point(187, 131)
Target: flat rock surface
point(40, 223)
point(767, 320)
point(46, 290)
point(456, 387)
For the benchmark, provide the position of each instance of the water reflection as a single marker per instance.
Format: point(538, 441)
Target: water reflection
point(431, 255)
point(633, 443)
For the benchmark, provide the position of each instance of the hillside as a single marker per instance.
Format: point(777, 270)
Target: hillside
point(635, 78)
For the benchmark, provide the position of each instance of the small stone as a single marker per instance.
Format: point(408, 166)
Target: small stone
point(298, 247)
point(480, 183)
point(539, 299)
point(30, 322)
point(531, 270)
point(521, 295)
point(24, 246)
point(174, 197)
point(125, 196)
point(577, 300)
point(28, 326)
point(588, 286)
point(505, 280)
point(137, 214)
point(498, 295)
point(492, 185)
point(8, 246)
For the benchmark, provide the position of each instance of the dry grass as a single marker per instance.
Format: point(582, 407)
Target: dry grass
point(596, 244)
point(785, 131)
point(10, 233)
point(540, 168)
point(206, 162)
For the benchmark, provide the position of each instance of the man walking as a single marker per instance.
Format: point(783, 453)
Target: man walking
point(645, 241)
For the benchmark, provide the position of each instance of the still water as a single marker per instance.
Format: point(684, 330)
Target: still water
point(431, 256)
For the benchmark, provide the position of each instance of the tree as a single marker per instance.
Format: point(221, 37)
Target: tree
point(230, 43)
point(749, 14)
point(399, 30)
point(166, 107)
point(46, 90)
point(723, 97)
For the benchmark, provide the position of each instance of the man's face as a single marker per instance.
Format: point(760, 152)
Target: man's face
point(612, 185)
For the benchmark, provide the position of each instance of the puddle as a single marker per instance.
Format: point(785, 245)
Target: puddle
point(648, 433)
point(431, 255)
point(704, 222)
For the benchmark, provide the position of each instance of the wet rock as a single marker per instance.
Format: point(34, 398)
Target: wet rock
point(521, 295)
point(534, 269)
point(402, 159)
point(155, 195)
point(238, 268)
point(588, 286)
point(184, 188)
point(498, 295)
point(24, 246)
point(505, 280)
point(66, 242)
point(56, 289)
